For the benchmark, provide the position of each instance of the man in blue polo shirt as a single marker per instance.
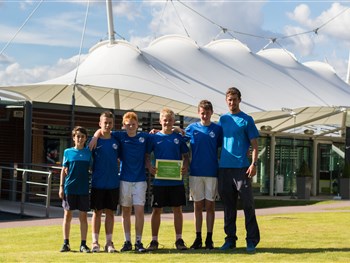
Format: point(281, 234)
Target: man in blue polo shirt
point(236, 171)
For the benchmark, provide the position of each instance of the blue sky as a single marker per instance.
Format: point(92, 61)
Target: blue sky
point(48, 43)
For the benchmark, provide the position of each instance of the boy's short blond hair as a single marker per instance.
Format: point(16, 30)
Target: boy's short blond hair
point(166, 112)
point(130, 116)
point(107, 114)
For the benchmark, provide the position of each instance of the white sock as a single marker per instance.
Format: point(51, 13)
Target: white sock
point(95, 237)
point(155, 238)
point(178, 236)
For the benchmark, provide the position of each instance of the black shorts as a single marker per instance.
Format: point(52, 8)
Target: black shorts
point(104, 199)
point(76, 202)
point(172, 196)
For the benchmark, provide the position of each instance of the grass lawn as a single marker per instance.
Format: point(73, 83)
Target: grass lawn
point(308, 237)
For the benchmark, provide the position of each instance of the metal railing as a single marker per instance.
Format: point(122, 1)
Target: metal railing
point(24, 193)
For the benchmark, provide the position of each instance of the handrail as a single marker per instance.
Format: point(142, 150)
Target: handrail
point(26, 182)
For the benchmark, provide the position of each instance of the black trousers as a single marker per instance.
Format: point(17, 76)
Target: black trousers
point(233, 182)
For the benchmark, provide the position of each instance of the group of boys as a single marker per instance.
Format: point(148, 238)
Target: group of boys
point(229, 177)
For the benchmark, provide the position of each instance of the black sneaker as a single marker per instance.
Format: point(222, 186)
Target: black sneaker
point(197, 244)
point(126, 247)
point(84, 249)
point(65, 248)
point(180, 244)
point(209, 244)
point(153, 245)
point(139, 247)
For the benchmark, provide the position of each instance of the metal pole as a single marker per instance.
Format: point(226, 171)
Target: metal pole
point(272, 163)
point(0, 181)
point(110, 21)
point(314, 168)
point(24, 186)
point(48, 194)
point(14, 180)
point(27, 147)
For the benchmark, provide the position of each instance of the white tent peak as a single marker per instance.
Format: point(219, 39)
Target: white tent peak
point(279, 56)
point(173, 39)
point(228, 43)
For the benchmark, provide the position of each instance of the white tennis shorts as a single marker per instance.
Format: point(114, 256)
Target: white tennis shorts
point(202, 187)
point(132, 193)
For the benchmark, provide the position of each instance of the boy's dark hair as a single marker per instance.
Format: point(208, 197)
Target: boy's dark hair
point(206, 105)
point(233, 91)
point(79, 129)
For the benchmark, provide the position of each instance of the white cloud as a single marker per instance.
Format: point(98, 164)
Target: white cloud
point(14, 74)
point(242, 17)
point(300, 14)
point(302, 43)
point(127, 9)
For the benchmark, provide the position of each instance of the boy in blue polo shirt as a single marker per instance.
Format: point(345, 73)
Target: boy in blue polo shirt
point(205, 139)
point(74, 187)
point(168, 145)
point(105, 183)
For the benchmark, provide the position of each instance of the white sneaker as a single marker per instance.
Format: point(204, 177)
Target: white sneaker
point(95, 248)
point(110, 248)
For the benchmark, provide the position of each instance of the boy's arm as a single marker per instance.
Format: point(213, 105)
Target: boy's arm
point(148, 164)
point(93, 142)
point(63, 175)
point(186, 162)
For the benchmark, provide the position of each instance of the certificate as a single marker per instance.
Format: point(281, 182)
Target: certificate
point(168, 169)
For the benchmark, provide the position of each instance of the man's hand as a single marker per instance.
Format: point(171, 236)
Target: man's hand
point(251, 172)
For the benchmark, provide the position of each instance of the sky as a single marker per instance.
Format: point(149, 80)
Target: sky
point(44, 39)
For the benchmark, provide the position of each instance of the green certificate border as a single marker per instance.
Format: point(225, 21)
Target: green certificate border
point(169, 169)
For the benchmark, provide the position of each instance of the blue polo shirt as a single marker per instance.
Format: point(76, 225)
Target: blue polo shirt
point(132, 157)
point(168, 147)
point(205, 141)
point(238, 130)
point(78, 164)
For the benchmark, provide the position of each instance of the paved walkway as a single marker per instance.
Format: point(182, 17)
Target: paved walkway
point(57, 213)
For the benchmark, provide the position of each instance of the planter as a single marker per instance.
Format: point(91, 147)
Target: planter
point(344, 188)
point(304, 187)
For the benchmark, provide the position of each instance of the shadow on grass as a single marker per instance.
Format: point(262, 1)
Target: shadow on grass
point(258, 251)
point(6, 216)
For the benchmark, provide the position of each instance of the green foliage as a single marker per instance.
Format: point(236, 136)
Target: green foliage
point(346, 170)
point(304, 170)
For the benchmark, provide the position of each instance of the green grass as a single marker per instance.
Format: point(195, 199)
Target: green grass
point(308, 237)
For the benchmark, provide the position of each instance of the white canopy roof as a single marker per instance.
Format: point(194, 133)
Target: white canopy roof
point(174, 71)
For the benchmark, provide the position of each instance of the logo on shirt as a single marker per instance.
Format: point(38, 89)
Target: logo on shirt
point(115, 146)
point(141, 139)
point(212, 134)
point(176, 141)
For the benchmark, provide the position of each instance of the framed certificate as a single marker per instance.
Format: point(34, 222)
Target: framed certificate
point(168, 169)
